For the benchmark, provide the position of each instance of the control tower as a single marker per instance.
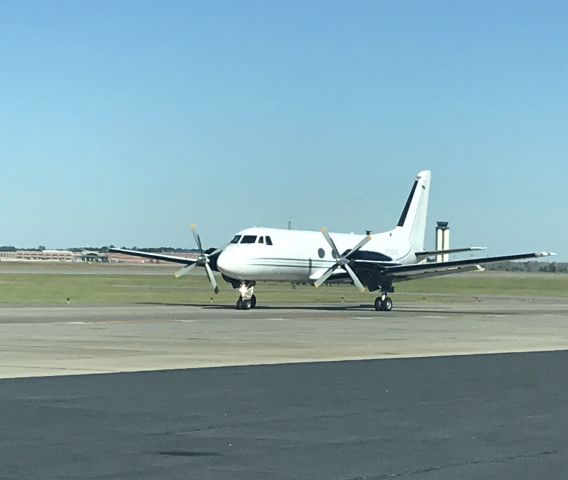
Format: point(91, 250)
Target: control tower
point(442, 240)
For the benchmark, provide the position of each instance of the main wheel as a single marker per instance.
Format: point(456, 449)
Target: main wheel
point(253, 301)
point(387, 304)
point(240, 303)
point(247, 304)
point(378, 304)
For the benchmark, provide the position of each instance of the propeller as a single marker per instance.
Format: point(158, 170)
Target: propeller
point(203, 260)
point(342, 261)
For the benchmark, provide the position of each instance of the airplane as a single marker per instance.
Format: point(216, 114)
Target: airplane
point(372, 263)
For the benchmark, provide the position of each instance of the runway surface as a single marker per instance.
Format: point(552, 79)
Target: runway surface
point(38, 341)
point(468, 417)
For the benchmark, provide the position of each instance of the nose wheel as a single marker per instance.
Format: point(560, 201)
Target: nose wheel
point(246, 304)
point(383, 304)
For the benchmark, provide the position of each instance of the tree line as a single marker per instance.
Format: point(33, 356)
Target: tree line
point(529, 267)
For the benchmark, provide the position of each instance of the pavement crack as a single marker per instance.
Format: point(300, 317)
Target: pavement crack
point(187, 453)
point(434, 468)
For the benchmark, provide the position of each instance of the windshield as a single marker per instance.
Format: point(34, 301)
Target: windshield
point(249, 239)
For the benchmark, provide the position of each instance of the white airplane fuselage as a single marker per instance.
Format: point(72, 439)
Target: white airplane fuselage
point(301, 255)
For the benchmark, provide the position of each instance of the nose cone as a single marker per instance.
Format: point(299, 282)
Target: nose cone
point(230, 263)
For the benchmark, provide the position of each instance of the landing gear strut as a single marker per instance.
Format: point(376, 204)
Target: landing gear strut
point(383, 303)
point(247, 299)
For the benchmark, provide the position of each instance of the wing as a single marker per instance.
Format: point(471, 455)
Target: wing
point(432, 253)
point(374, 274)
point(440, 266)
point(154, 256)
point(437, 273)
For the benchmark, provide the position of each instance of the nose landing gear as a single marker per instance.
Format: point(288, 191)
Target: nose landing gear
point(247, 299)
point(246, 304)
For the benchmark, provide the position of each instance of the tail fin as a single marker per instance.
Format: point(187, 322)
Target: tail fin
point(412, 223)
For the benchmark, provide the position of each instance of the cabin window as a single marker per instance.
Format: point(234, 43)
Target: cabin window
point(268, 241)
point(249, 239)
point(321, 253)
point(260, 239)
point(236, 239)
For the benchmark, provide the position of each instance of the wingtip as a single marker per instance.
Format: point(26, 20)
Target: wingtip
point(546, 254)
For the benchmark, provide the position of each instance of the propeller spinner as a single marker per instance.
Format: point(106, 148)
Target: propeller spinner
point(203, 260)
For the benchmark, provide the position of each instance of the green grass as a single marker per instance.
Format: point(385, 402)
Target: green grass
point(492, 284)
point(55, 288)
point(45, 289)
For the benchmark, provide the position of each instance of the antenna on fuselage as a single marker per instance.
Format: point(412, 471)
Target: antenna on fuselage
point(289, 224)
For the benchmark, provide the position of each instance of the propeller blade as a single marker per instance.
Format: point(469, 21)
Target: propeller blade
point(185, 270)
point(327, 236)
point(355, 279)
point(325, 276)
point(196, 236)
point(216, 251)
point(362, 243)
point(211, 278)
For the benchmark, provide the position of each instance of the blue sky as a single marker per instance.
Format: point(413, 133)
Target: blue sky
point(123, 122)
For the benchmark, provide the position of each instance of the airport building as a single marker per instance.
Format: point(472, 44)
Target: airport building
point(39, 256)
point(88, 256)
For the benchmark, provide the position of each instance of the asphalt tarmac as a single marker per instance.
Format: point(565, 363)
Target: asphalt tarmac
point(444, 414)
point(466, 417)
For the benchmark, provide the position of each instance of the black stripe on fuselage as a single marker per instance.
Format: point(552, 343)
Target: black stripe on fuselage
point(276, 265)
point(305, 264)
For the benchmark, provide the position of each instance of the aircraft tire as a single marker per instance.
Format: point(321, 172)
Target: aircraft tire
point(247, 304)
point(253, 301)
point(378, 304)
point(240, 305)
point(387, 304)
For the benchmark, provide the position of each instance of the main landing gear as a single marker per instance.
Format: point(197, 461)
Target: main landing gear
point(247, 299)
point(383, 303)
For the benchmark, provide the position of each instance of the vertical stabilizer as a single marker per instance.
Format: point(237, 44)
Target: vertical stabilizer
point(412, 223)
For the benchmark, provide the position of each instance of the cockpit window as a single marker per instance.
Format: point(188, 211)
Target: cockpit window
point(268, 241)
point(236, 239)
point(260, 239)
point(249, 239)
